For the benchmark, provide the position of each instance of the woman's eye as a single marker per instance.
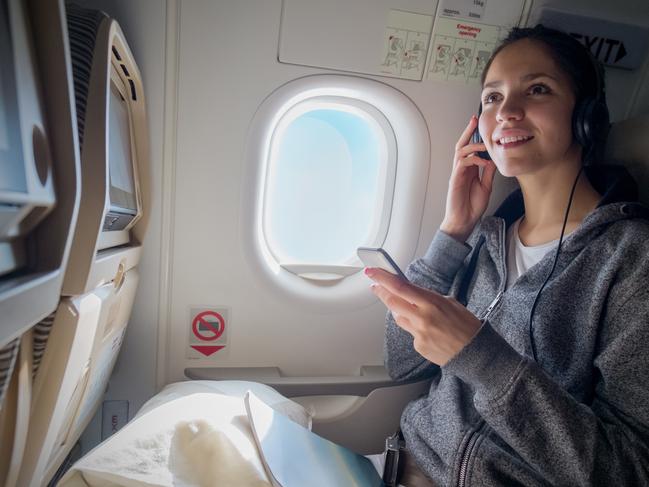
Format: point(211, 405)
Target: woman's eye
point(539, 89)
point(490, 98)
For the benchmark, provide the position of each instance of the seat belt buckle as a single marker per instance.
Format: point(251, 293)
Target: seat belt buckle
point(393, 446)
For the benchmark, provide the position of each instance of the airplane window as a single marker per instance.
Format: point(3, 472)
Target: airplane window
point(322, 177)
point(329, 182)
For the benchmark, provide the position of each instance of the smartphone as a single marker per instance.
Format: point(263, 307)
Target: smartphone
point(377, 257)
point(477, 139)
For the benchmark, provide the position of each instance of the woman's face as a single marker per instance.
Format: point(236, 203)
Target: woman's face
point(527, 105)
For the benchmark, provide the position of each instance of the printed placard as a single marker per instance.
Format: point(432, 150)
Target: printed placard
point(465, 34)
point(463, 9)
point(405, 46)
point(208, 332)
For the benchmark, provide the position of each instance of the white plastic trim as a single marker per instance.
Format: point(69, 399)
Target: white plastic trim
point(169, 153)
point(322, 272)
point(413, 159)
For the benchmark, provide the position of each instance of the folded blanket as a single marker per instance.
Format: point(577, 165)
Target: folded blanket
point(200, 439)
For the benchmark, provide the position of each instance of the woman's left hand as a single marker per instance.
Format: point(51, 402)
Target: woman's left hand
point(440, 326)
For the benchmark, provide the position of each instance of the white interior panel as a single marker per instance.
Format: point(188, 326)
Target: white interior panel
point(219, 91)
point(209, 265)
point(349, 36)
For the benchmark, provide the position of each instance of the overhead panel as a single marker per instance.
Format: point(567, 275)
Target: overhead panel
point(380, 37)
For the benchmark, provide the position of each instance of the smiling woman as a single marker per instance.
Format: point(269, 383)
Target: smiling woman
point(525, 394)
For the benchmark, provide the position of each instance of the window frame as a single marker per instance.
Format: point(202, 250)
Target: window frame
point(334, 294)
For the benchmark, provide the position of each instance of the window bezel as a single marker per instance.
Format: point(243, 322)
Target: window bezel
point(413, 161)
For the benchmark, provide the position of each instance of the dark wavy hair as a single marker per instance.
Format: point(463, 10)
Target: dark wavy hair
point(585, 73)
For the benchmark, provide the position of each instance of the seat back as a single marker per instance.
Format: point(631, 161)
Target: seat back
point(80, 342)
point(39, 199)
point(82, 347)
point(628, 145)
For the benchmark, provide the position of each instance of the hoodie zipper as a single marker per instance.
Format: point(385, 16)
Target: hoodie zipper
point(466, 454)
point(473, 439)
point(465, 461)
point(492, 306)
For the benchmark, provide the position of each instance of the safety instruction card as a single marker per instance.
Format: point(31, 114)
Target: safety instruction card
point(465, 33)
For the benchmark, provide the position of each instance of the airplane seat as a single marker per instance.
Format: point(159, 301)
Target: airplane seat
point(41, 333)
point(8, 356)
point(9, 424)
point(39, 200)
point(78, 345)
point(15, 406)
point(628, 145)
point(76, 365)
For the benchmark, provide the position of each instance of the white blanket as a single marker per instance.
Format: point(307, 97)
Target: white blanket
point(196, 439)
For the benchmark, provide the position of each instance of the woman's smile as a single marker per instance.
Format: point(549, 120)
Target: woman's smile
point(512, 142)
point(510, 138)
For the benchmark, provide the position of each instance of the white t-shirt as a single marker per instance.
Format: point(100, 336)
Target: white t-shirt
point(519, 257)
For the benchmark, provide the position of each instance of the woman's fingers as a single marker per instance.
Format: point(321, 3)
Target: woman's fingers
point(398, 306)
point(394, 285)
point(488, 177)
point(404, 323)
point(402, 311)
point(467, 171)
point(470, 149)
point(473, 161)
point(465, 138)
point(413, 295)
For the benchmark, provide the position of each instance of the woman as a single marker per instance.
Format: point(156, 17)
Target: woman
point(538, 359)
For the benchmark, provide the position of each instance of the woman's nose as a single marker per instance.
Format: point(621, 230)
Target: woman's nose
point(510, 109)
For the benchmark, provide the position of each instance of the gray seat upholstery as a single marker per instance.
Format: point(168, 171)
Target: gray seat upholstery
point(628, 145)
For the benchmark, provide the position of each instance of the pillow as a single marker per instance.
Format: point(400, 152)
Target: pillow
point(185, 437)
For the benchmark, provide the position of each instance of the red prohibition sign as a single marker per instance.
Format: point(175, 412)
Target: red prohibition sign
point(200, 320)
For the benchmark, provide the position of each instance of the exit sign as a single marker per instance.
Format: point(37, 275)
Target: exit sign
point(615, 44)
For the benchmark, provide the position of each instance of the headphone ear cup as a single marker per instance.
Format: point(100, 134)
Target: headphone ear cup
point(598, 124)
point(590, 123)
point(579, 122)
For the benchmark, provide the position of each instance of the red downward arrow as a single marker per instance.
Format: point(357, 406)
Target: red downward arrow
point(207, 350)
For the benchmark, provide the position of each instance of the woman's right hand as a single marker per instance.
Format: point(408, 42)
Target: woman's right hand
point(468, 194)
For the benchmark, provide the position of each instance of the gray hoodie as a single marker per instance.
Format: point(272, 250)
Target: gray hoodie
point(580, 415)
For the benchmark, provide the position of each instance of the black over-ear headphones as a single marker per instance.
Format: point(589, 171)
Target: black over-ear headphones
point(590, 118)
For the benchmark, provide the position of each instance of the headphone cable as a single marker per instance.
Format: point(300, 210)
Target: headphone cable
point(554, 264)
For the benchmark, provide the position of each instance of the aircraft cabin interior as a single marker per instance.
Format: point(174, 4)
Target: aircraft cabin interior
point(184, 188)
